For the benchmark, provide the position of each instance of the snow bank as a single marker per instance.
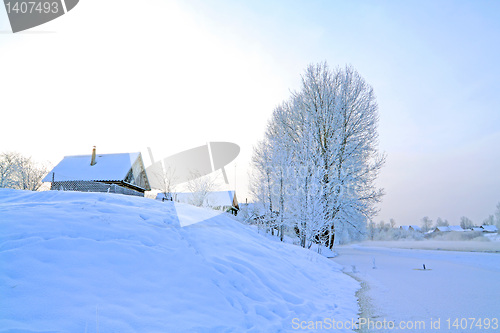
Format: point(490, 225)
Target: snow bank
point(86, 262)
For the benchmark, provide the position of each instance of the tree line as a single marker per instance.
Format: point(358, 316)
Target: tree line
point(427, 224)
point(465, 222)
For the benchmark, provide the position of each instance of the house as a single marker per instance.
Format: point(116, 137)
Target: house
point(116, 173)
point(411, 228)
point(455, 228)
point(489, 228)
point(442, 229)
point(220, 200)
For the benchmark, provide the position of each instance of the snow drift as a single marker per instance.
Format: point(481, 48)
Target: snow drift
point(87, 262)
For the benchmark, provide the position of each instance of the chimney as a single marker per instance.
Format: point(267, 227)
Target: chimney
point(93, 162)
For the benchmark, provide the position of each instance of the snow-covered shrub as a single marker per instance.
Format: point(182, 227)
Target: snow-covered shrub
point(397, 234)
point(459, 236)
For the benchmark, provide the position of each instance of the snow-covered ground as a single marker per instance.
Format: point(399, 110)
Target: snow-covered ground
point(90, 262)
point(454, 288)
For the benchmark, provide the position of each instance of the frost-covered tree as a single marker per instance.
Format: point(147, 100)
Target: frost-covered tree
point(382, 226)
point(261, 185)
point(426, 223)
point(200, 187)
point(315, 169)
point(490, 220)
point(497, 215)
point(30, 174)
point(9, 165)
point(466, 223)
point(166, 179)
point(442, 223)
point(372, 229)
point(20, 172)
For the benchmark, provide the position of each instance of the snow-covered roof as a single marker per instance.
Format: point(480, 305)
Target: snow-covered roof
point(489, 228)
point(220, 198)
point(410, 227)
point(477, 229)
point(442, 228)
point(108, 167)
point(455, 228)
point(213, 199)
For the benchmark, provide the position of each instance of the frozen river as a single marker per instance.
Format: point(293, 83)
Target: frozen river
point(458, 291)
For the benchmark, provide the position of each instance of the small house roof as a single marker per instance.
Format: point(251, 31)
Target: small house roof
point(108, 167)
point(455, 228)
point(442, 228)
point(220, 198)
point(489, 228)
point(410, 227)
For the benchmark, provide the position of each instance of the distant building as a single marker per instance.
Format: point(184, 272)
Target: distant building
point(489, 228)
point(456, 228)
point(411, 228)
point(115, 173)
point(442, 229)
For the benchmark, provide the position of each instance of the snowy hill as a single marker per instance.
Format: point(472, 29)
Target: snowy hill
point(88, 262)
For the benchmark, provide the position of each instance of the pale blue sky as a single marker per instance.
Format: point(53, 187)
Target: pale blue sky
point(434, 66)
